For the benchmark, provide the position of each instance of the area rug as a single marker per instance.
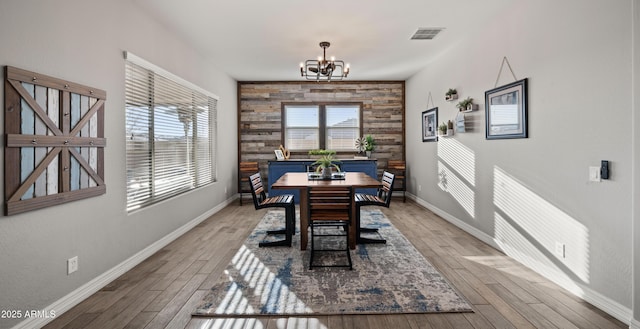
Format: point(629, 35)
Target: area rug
point(386, 278)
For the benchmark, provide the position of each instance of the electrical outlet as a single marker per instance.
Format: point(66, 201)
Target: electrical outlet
point(560, 249)
point(72, 265)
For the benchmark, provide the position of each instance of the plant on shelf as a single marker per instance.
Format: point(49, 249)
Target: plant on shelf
point(365, 144)
point(324, 165)
point(465, 105)
point(321, 152)
point(442, 128)
point(369, 143)
point(451, 94)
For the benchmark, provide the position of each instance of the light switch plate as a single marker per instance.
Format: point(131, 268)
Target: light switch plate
point(594, 174)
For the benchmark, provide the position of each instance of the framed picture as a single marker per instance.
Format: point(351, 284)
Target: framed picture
point(279, 155)
point(506, 111)
point(430, 125)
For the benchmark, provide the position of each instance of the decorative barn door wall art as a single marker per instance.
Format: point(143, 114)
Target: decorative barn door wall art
point(54, 132)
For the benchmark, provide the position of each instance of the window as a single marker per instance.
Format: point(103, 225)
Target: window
point(321, 126)
point(170, 134)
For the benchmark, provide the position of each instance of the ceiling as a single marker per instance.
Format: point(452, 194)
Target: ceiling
point(265, 40)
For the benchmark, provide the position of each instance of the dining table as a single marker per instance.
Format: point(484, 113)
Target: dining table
point(302, 182)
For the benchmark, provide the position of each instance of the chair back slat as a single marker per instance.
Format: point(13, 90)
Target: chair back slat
point(386, 190)
point(330, 203)
point(257, 189)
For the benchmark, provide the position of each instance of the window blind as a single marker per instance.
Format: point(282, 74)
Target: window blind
point(170, 134)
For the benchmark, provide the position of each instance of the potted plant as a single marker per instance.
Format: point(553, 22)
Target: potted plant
point(451, 94)
point(369, 145)
point(442, 128)
point(466, 105)
point(324, 165)
point(316, 154)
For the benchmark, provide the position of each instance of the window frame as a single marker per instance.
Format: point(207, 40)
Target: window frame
point(322, 121)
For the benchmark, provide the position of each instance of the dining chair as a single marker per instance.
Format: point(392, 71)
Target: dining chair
point(245, 170)
point(382, 198)
point(329, 213)
point(399, 169)
point(286, 201)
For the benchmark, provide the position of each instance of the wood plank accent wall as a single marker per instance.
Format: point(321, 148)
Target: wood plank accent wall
point(259, 116)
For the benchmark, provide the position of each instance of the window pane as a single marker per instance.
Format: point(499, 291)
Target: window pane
point(343, 126)
point(343, 116)
point(302, 116)
point(302, 127)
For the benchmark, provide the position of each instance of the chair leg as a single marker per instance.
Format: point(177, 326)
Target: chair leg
point(347, 249)
point(313, 250)
point(288, 231)
point(359, 229)
point(293, 219)
point(312, 247)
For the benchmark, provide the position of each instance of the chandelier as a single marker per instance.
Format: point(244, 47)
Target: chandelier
point(322, 69)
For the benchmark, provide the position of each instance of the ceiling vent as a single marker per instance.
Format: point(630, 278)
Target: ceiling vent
point(426, 33)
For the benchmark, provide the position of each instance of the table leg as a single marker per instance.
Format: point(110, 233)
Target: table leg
point(352, 228)
point(304, 219)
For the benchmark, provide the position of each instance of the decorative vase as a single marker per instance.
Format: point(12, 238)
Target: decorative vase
point(326, 172)
point(368, 154)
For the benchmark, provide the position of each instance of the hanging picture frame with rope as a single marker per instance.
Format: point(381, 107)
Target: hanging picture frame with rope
point(506, 108)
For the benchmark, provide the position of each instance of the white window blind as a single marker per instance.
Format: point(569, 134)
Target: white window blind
point(171, 132)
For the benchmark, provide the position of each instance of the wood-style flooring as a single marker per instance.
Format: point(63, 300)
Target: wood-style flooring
point(162, 291)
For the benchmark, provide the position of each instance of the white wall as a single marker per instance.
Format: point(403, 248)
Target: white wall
point(524, 195)
point(83, 41)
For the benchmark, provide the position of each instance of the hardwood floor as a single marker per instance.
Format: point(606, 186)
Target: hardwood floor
point(162, 291)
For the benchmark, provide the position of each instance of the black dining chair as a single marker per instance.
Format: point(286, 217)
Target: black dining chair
point(382, 198)
point(286, 201)
point(329, 211)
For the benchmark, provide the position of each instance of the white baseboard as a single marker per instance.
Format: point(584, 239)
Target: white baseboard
point(85, 291)
point(602, 302)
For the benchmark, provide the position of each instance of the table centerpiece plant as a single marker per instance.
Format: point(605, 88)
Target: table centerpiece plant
point(324, 165)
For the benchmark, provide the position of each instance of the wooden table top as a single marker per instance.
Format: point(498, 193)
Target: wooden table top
point(301, 180)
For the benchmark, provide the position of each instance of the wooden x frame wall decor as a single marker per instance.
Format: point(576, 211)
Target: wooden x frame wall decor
point(54, 133)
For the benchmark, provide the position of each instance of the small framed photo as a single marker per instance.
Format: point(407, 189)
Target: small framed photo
point(430, 125)
point(506, 111)
point(279, 155)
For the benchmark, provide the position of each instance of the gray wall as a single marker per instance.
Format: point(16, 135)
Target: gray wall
point(82, 41)
point(525, 195)
point(636, 162)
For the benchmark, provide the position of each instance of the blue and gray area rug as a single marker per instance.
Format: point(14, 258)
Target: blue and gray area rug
point(386, 278)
